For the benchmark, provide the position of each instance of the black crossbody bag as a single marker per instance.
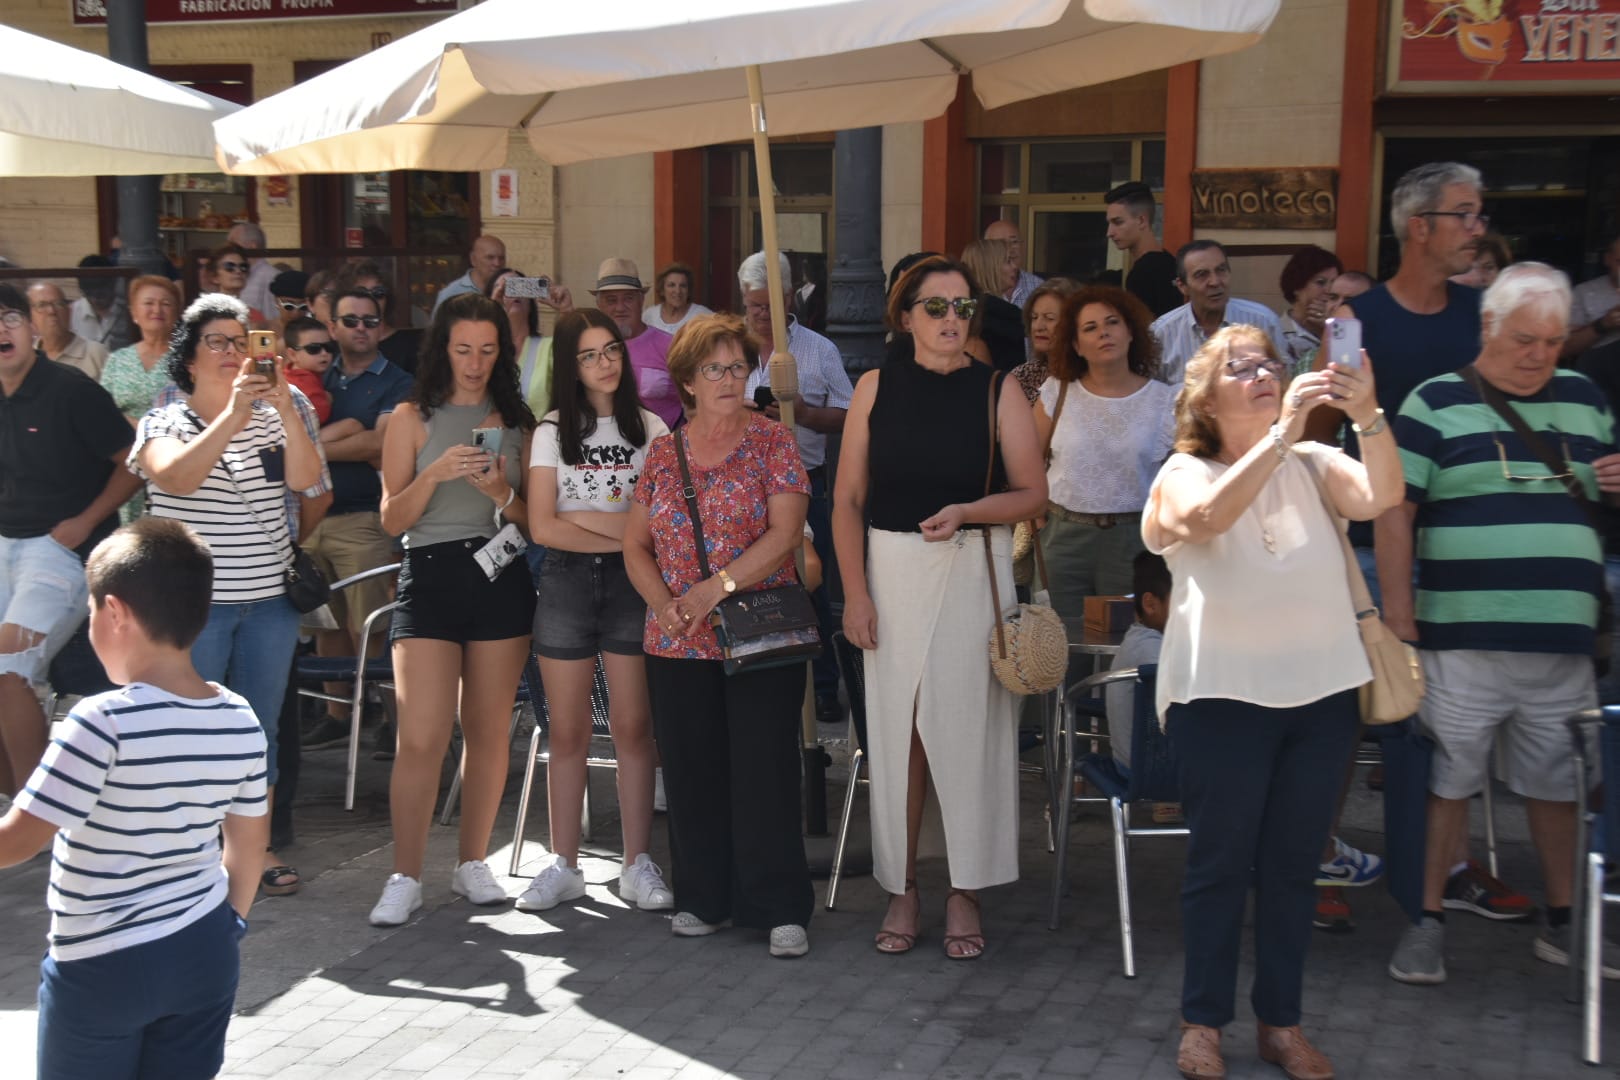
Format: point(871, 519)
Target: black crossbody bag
point(762, 628)
point(1603, 643)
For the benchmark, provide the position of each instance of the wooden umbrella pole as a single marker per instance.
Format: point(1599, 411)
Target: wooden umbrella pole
point(784, 371)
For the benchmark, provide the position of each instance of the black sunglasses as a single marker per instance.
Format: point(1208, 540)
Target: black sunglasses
point(315, 348)
point(937, 306)
point(370, 322)
point(233, 267)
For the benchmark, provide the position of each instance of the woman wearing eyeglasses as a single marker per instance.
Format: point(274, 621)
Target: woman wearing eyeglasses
point(587, 459)
point(1257, 689)
point(229, 266)
point(222, 459)
point(920, 459)
point(729, 743)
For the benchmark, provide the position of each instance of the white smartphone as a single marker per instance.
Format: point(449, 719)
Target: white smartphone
point(1344, 342)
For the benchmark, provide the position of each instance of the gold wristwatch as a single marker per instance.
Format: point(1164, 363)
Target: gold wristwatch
point(726, 582)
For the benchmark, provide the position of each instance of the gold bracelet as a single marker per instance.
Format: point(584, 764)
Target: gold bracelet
point(1377, 427)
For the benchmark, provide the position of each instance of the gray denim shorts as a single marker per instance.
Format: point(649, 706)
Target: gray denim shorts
point(586, 606)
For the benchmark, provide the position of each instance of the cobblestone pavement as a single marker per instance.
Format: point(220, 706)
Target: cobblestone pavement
point(596, 989)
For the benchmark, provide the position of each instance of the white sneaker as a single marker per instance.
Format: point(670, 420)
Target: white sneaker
point(641, 883)
point(474, 880)
point(401, 896)
point(660, 803)
point(686, 924)
point(789, 941)
point(551, 886)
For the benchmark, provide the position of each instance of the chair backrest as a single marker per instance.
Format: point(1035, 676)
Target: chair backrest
point(852, 666)
point(535, 690)
point(1609, 754)
point(1153, 759)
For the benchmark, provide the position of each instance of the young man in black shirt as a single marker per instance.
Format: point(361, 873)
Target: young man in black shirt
point(1152, 279)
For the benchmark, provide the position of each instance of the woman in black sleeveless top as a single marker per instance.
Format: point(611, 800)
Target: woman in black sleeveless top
point(917, 446)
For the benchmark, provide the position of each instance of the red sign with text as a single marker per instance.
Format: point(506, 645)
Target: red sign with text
point(94, 12)
point(1504, 46)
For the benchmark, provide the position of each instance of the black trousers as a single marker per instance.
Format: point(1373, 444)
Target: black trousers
point(1259, 787)
point(729, 746)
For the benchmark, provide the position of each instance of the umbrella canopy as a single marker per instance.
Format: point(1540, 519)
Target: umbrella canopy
point(593, 82)
point(67, 112)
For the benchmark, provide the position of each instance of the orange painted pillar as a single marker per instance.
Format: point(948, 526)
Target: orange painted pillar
point(947, 197)
point(1355, 226)
point(677, 209)
point(1180, 153)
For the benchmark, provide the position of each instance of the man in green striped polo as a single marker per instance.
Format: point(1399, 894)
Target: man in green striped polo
point(1509, 573)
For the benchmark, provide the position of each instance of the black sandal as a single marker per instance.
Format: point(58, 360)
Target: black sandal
point(972, 943)
point(893, 942)
point(274, 881)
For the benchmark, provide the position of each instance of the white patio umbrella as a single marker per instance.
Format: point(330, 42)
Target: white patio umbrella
point(588, 81)
point(67, 112)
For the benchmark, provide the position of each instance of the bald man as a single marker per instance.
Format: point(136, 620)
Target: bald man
point(1002, 229)
point(486, 259)
point(49, 309)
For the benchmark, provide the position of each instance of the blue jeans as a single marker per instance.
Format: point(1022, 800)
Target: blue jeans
point(42, 589)
point(159, 1009)
point(248, 649)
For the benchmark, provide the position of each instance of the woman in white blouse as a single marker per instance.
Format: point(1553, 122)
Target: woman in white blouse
point(673, 292)
point(1114, 423)
point(1261, 662)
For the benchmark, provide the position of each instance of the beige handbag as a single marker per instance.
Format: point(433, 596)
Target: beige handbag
point(1397, 676)
point(1029, 649)
point(1026, 537)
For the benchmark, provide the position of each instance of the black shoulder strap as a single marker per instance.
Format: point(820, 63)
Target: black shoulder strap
point(690, 494)
point(1545, 454)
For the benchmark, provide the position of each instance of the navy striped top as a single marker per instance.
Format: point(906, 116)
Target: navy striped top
point(138, 782)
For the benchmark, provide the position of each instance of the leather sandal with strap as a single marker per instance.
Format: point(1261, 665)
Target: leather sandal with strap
point(894, 942)
point(970, 946)
point(1289, 1048)
point(1200, 1055)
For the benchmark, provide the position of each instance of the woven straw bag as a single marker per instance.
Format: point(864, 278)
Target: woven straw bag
point(1029, 649)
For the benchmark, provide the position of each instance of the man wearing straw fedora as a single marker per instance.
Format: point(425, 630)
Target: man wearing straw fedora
point(621, 296)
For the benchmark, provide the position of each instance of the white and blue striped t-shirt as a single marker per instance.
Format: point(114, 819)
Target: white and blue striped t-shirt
point(249, 562)
point(138, 781)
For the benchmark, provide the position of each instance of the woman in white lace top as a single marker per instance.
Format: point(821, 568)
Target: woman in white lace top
point(1114, 426)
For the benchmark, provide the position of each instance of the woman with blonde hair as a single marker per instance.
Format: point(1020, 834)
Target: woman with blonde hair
point(1260, 667)
point(999, 333)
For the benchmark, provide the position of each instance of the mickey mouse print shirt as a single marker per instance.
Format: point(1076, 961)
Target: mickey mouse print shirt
point(606, 479)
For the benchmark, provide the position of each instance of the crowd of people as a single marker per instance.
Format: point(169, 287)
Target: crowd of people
point(592, 495)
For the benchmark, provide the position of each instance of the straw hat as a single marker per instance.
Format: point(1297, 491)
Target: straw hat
point(617, 274)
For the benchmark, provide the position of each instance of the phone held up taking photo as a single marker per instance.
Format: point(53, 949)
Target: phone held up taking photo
point(262, 348)
point(1343, 342)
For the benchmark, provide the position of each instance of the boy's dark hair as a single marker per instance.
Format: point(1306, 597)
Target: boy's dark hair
point(11, 299)
point(304, 324)
point(1149, 574)
point(162, 571)
point(1137, 197)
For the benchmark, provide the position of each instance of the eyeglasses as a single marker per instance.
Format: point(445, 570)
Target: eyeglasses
point(223, 343)
point(1248, 370)
point(293, 305)
point(611, 351)
point(1469, 219)
point(376, 292)
point(12, 319)
point(1509, 474)
point(937, 306)
point(233, 267)
point(370, 322)
point(316, 348)
point(737, 369)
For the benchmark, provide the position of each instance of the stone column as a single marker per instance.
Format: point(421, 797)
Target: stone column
point(856, 283)
point(137, 195)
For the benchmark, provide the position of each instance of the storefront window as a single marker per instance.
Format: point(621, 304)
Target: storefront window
point(1053, 190)
point(803, 176)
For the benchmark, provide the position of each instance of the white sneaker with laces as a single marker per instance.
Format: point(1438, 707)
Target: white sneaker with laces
point(789, 941)
point(642, 883)
point(551, 886)
point(476, 881)
point(401, 897)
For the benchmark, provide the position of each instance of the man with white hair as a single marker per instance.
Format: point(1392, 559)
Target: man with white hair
point(818, 411)
point(1003, 229)
point(261, 272)
point(1505, 460)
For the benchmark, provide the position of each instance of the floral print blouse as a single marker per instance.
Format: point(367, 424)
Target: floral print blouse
point(732, 501)
point(135, 389)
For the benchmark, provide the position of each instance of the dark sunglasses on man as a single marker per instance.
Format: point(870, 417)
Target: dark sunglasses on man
point(370, 322)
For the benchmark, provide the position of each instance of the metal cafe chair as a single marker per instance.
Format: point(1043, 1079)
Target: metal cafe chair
point(1597, 846)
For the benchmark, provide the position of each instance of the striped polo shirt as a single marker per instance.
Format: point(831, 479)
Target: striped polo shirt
point(138, 781)
point(1510, 565)
point(250, 549)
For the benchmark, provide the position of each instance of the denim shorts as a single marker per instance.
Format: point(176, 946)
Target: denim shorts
point(445, 595)
point(587, 605)
point(42, 588)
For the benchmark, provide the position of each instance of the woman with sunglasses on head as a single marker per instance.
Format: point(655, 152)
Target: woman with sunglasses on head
point(222, 458)
point(587, 458)
point(399, 346)
point(533, 348)
point(230, 268)
point(461, 630)
point(1257, 689)
point(918, 445)
point(729, 743)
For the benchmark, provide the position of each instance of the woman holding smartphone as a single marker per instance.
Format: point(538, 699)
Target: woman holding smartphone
point(587, 458)
point(461, 631)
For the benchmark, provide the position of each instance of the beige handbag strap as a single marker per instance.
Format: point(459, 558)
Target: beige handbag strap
point(989, 558)
point(1360, 595)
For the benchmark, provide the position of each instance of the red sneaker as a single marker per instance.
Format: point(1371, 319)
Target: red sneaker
point(1332, 911)
point(1475, 890)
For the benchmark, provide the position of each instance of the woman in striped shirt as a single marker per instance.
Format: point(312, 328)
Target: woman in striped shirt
point(222, 459)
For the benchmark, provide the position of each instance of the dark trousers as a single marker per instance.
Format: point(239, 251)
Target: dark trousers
point(289, 758)
point(819, 517)
point(1259, 787)
point(731, 774)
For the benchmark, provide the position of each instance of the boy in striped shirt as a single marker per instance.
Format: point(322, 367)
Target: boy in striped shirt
point(138, 788)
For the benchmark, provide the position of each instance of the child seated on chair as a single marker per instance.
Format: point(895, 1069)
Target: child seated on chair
point(1150, 581)
point(138, 788)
